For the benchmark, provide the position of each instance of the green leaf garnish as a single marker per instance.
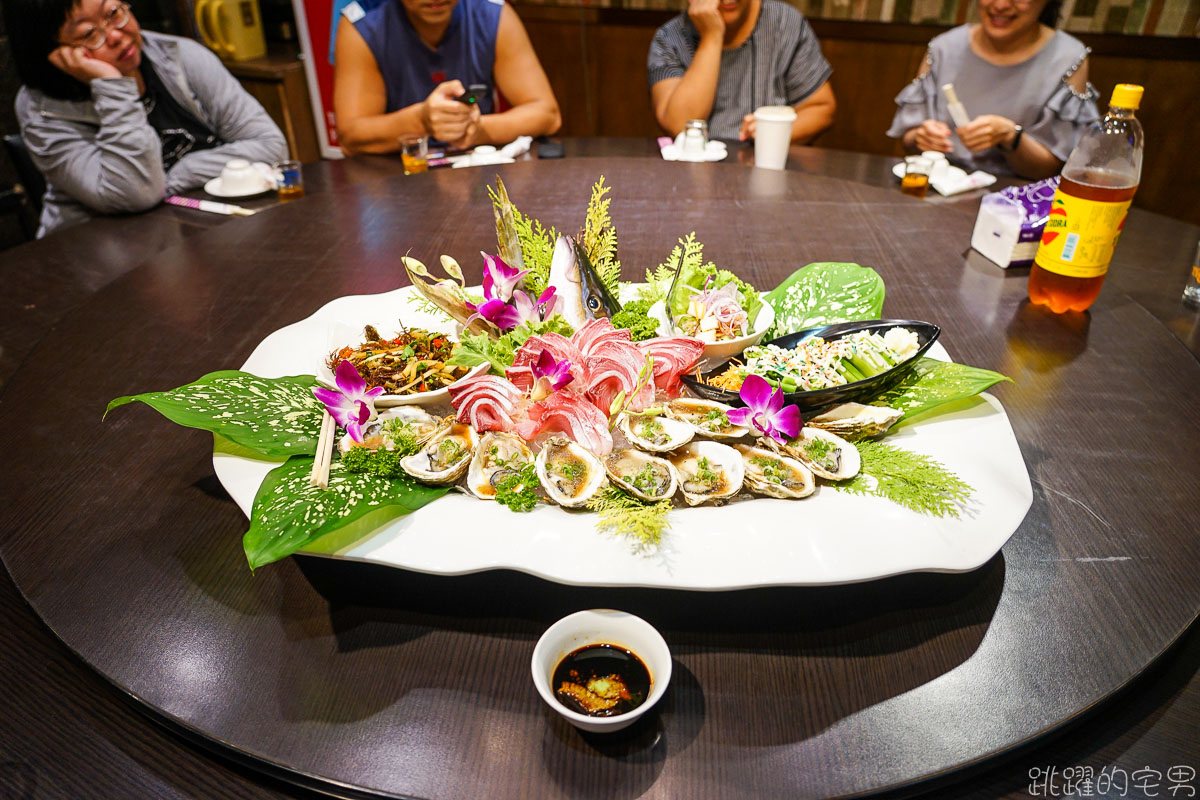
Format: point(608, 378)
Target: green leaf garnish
point(473, 350)
point(914, 481)
point(271, 416)
point(626, 515)
point(825, 293)
point(290, 513)
point(931, 383)
point(634, 317)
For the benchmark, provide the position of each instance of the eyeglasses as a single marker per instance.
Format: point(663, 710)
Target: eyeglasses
point(117, 17)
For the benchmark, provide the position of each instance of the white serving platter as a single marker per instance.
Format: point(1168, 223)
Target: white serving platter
point(831, 537)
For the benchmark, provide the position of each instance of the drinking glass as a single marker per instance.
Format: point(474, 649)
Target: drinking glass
point(414, 152)
point(915, 182)
point(291, 180)
point(1191, 289)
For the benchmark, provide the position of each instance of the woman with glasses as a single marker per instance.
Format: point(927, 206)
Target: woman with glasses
point(116, 118)
point(1024, 85)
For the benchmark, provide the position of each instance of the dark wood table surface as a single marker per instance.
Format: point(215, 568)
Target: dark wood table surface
point(143, 660)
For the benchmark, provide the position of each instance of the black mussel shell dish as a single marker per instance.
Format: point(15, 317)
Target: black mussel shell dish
point(927, 333)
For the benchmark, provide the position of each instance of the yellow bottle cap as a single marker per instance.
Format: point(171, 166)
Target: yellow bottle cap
point(1126, 95)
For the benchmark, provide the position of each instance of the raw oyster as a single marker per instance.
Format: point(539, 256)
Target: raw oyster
point(826, 454)
point(568, 472)
point(382, 432)
point(655, 434)
point(708, 471)
point(774, 475)
point(445, 457)
point(707, 417)
point(856, 421)
point(499, 454)
point(641, 474)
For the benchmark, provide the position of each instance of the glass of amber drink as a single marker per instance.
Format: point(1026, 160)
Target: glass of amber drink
point(414, 152)
point(291, 180)
point(915, 182)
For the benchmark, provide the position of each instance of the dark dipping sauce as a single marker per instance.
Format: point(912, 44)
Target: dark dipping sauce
point(601, 680)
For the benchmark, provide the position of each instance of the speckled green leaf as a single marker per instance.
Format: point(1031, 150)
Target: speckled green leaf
point(272, 416)
point(932, 383)
point(825, 293)
point(290, 513)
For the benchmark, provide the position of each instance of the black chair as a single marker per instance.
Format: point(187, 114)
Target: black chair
point(27, 173)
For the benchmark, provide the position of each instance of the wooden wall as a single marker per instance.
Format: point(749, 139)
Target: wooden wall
point(596, 60)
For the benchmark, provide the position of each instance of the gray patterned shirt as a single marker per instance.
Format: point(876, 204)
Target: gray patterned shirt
point(779, 64)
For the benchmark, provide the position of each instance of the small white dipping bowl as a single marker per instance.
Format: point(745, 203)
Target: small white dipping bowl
point(717, 352)
point(601, 626)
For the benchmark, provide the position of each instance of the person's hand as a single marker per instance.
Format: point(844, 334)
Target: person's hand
point(444, 117)
point(987, 130)
point(706, 16)
point(470, 136)
point(79, 63)
point(747, 131)
point(933, 135)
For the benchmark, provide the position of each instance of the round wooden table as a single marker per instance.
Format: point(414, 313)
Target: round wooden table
point(361, 680)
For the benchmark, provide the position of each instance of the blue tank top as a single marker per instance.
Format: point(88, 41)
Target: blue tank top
point(411, 70)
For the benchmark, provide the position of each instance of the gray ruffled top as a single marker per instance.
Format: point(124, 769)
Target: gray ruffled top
point(1035, 94)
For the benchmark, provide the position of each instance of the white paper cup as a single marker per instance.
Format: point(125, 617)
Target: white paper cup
point(772, 135)
point(240, 177)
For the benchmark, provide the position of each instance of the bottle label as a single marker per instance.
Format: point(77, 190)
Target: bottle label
point(1080, 236)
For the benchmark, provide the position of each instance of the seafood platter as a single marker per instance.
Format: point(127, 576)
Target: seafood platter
point(546, 422)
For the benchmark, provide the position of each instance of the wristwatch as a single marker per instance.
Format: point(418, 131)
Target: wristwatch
point(1017, 131)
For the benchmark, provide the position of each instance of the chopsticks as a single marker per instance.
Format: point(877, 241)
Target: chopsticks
point(320, 470)
point(210, 206)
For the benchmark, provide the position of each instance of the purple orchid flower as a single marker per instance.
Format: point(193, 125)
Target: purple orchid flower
point(499, 313)
point(352, 403)
point(549, 376)
point(499, 279)
point(535, 311)
point(765, 411)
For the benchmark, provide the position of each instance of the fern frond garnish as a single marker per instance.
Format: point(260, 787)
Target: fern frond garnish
point(600, 237)
point(626, 515)
point(688, 255)
point(912, 480)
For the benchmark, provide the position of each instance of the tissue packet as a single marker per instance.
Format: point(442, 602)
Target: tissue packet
point(1009, 226)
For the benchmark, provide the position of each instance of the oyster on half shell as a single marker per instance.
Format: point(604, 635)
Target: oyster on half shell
point(498, 455)
point(774, 475)
point(568, 472)
point(856, 421)
point(708, 471)
point(392, 423)
point(655, 434)
point(445, 457)
point(826, 454)
point(641, 474)
point(707, 417)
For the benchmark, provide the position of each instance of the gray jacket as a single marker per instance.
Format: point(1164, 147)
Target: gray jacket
point(100, 156)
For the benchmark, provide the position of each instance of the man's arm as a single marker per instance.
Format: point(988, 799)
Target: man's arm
point(523, 82)
point(813, 115)
point(677, 100)
point(360, 98)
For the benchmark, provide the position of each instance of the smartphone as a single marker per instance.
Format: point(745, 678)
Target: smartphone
point(550, 149)
point(473, 93)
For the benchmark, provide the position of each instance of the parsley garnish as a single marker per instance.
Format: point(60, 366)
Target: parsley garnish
point(518, 490)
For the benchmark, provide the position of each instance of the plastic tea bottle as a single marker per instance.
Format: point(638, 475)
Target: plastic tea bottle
point(1089, 208)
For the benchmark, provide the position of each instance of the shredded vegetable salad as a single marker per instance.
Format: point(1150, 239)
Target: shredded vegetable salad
point(414, 361)
point(713, 315)
point(818, 363)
